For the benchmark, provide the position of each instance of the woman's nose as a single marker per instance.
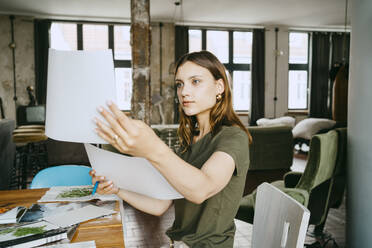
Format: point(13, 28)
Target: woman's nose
point(185, 90)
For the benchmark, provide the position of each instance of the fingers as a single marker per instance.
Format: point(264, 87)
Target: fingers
point(105, 132)
point(113, 129)
point(97, 178)
point(106, 187)
point(124, 121)
point(118, 144)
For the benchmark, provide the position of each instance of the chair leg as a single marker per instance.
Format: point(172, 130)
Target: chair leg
point(318, 229)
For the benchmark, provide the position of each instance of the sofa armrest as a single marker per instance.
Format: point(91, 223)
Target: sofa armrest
point(291, 179)
point(300, 195)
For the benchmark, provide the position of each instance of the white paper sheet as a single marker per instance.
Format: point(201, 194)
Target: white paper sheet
point(86, 244)
point(78, 215)
point(10, 233)
point(78, 82)
point(54, 195)
point(131, 173)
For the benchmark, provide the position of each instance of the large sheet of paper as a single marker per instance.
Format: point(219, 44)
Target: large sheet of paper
point(131, 173)
point(78, 215)
point(86, 244)
point(78, 82)
point(74, 194)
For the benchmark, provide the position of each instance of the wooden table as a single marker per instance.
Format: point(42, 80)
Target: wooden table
point(106, 231)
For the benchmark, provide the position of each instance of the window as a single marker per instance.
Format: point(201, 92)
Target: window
point(63, 36)
point(100, 36)
point(234, 50)
point(298, 75)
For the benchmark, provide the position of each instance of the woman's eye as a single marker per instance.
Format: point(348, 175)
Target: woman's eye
point(179, 85)
point(195, 81)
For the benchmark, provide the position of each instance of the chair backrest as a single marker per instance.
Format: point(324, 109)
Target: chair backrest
point(272, 148)
point(63, 175)
point(321, 162)
point(279, 220)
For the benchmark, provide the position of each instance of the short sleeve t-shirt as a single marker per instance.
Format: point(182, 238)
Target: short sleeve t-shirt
point(211, 223)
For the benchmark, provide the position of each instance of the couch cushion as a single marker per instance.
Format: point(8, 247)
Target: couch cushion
point(285, 120)
point(308, 127)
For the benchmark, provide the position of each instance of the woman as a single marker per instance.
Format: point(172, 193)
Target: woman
point(211, 166)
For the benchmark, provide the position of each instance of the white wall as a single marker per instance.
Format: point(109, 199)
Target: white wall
point(280, 107)
point(359, 130)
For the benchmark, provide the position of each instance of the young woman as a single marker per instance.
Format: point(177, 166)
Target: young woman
point(211, 166)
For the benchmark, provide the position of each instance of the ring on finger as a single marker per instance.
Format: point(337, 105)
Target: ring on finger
point(115, 138)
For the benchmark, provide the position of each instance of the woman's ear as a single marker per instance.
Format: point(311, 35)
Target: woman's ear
point(220, 86)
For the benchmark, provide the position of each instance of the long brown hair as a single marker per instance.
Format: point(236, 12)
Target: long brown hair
point(222, 112)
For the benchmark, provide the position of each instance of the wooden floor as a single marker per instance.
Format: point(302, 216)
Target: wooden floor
point(146, 231)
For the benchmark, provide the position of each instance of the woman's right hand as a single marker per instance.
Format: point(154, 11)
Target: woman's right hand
point(104, 187)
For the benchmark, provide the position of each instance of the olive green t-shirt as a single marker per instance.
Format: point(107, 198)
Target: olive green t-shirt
point(211, 223)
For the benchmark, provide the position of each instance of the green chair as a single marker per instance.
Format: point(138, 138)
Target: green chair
point(270, 155)
point(313, 189)
point(338, 183)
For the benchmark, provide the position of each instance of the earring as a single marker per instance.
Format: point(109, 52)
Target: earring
point(219, 97)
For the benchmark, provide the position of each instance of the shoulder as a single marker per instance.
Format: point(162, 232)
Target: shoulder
point(232, 135)
point(235, 142)
point(232, 131)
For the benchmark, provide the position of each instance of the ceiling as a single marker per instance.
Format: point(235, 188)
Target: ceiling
point(292, 13)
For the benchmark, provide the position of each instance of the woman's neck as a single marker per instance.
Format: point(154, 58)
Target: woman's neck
point(203, 124)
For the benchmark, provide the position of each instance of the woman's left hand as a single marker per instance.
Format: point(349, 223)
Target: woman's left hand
point(128, 136)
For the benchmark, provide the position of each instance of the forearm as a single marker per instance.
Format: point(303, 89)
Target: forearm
point(144, 203)
point(188, 180)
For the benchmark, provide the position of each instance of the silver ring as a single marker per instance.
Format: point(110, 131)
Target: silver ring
point(116, 138)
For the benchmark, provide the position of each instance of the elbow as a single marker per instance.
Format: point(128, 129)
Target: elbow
point(198, 198)
point(158, 213)
point(162, 208)
point(197, 201)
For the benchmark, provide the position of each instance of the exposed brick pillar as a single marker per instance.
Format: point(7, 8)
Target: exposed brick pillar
point(141, 44)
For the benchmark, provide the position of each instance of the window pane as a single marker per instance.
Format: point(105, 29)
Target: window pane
point(195, 40)
point(122, 46)
point(218, 44)
point(95, 37)
point(298, 48)
point(297, 90)
point(243, 47)
point(63, 36)
point(242, 90)
point(123, 78)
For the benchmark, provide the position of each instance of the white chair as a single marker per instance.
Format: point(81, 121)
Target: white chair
point(279, 220)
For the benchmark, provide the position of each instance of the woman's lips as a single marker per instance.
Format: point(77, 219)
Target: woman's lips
point(186, 103)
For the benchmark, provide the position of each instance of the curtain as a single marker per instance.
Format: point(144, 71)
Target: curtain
point(258, 76)
point(319, 76)
point(182, 41)
point(340, 47)
point(41, 38)
point(181, 48)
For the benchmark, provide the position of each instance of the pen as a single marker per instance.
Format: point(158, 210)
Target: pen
point(95, 187)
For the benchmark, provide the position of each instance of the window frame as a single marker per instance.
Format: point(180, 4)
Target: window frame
point(300, 67)
point(118, 63)
point(230, 66)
